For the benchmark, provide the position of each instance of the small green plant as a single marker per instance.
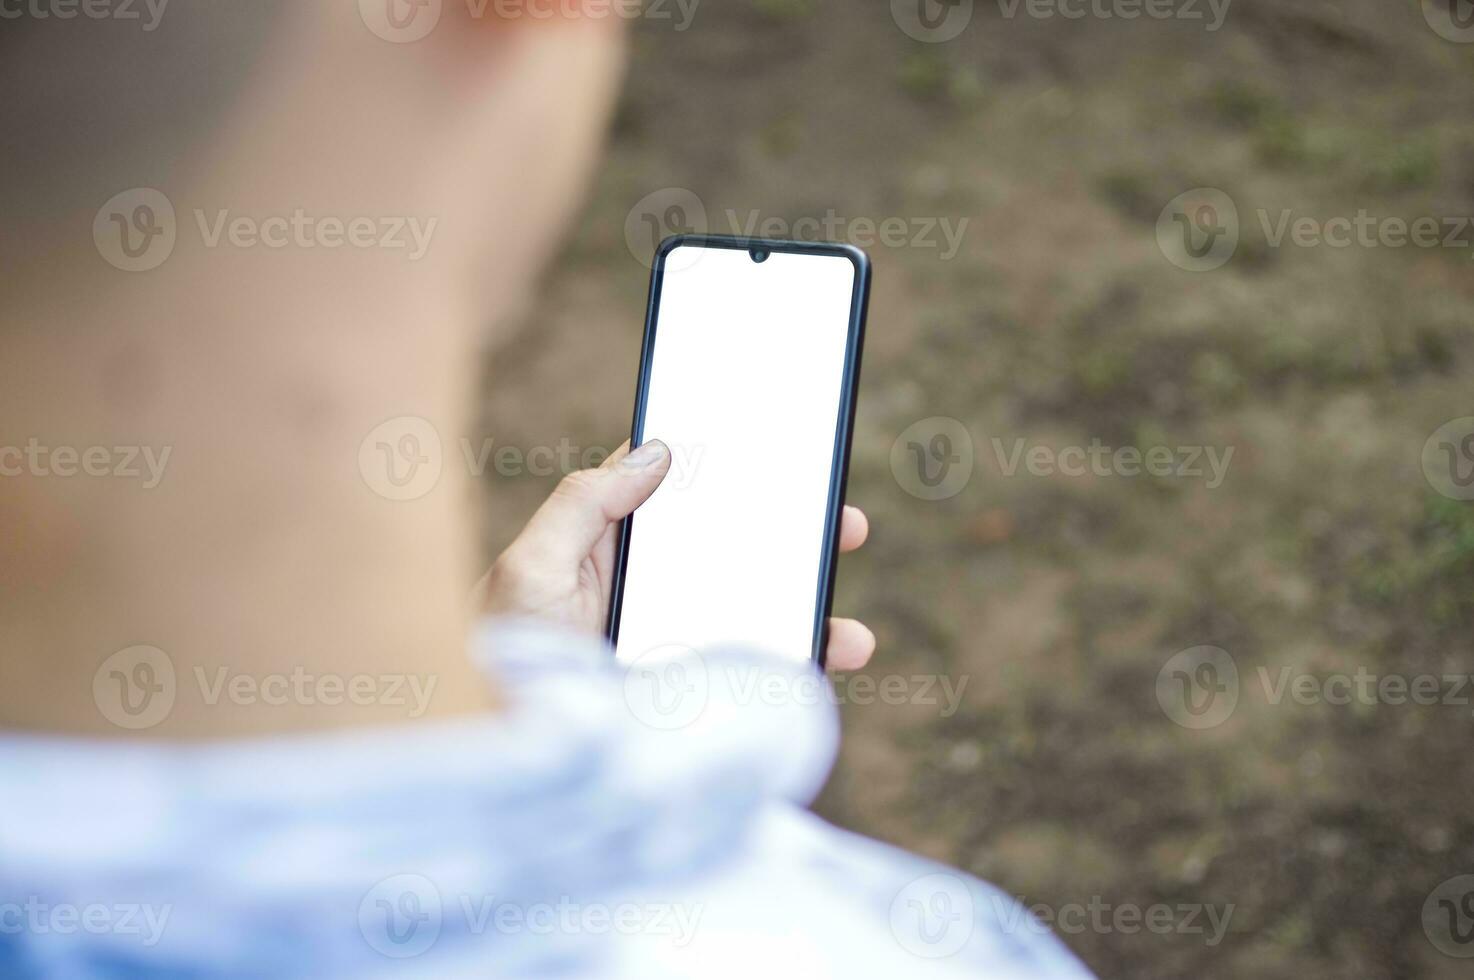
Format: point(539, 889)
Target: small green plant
point(925, 75)
point(1242, 105)
point(1433, 567)
point(1402, 164)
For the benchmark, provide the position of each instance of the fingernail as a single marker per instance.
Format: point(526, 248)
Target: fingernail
point(647, 455)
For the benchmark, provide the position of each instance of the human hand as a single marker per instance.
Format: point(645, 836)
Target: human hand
point(561, 567)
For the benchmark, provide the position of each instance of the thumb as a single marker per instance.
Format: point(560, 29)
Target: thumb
point(586, 503)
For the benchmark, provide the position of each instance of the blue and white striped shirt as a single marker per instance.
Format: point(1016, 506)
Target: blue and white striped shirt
point(596, 828)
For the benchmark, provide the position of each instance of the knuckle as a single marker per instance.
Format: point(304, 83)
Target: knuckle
point(509, 571)
point(506, 583)
point(579, 487)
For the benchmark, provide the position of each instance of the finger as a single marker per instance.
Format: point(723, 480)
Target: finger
point(614, 458)
point(851, 644)
point(854, 528)
point(586, 503)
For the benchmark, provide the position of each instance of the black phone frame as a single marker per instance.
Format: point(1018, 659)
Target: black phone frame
point(844, 428)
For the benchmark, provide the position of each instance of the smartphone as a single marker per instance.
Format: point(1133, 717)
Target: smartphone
point(749, 373)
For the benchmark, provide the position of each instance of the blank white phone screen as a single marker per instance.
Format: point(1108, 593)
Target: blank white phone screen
point(746, 374)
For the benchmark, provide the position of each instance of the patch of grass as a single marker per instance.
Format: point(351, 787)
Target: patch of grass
point(1279, 137)
point(926, 75)
point(1243, 105)
point(1215, 373)
point(1102, 371)
point(1283, 137)
point(1432, 568)
point(1401, 164)
point(1280, 141)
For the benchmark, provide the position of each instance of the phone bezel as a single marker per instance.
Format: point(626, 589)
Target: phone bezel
point(844, 428)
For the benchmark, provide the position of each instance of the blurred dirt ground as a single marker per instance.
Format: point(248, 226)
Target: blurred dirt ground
point(1060, 321)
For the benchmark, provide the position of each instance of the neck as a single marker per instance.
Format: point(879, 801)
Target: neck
point(285, 588)
point(256, 549)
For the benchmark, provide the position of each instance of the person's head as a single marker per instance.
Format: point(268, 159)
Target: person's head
point(482, 115)
point(241, 236)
